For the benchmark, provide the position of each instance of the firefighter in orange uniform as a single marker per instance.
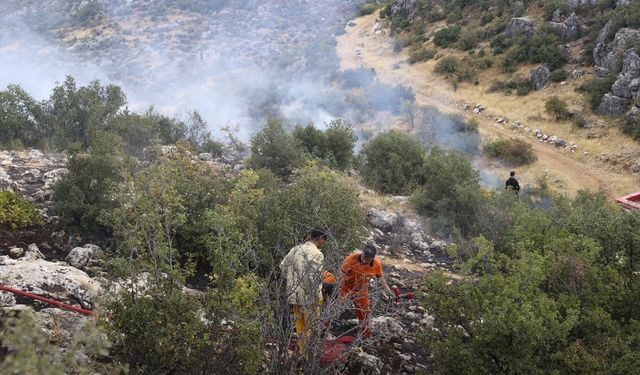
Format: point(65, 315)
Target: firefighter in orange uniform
point(356, 271)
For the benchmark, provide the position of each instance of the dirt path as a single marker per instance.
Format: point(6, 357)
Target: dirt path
point(360, 46)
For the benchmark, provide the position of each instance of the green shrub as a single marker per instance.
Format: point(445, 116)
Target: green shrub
point(391, 162)
point(450, 192)
point(335, 145)
point(272, 148)
point(557, 107)
point(578, 121)
point(86, 190)
point(163, 330)
point(483, 62)
point(631, 126)
point(558, 75)
point(447, 66)
point(367, 8)
point(340, 143)
point(551, 6)
point(595, 89)
point(512, 151)
point(422, 54)
point(22, 122)
point(16, 212)
point(29, 348)
point(447, 36)
point(468, 40)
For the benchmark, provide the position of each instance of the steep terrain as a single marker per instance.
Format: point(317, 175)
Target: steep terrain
point(603, 159)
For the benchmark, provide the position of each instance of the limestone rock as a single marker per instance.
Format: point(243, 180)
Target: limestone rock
point(33, 253)
point(16, 252)
point(381, 219)
point(51, 279)
point(540, 76)
point(408, 6)
point(612, 105)
point(621, 87)
point(388, 329)
point(80, 257)
point(520, 25)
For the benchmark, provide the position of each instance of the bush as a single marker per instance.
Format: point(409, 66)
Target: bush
point(16, 212)
point(447, 66)
point(163, 330)
point(450, 191)
point(557, 107)
point(334, 145)
point(595, 89)
point(468, 40)
point(631, 126)
point(422, 54)
point(391, 162)
point(513, 151)
point(550, 6)
point(22, 119)
point(340, 143)
point(86, 189)
point(558, 75)
point(367, 8)
point(447, 36)
point(578, 121)
point(272, 148)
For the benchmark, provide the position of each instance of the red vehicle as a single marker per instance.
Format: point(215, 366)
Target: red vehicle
point(630, 201)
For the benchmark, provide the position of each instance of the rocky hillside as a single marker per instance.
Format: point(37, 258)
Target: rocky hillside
point(230, 59)
point(568, 38)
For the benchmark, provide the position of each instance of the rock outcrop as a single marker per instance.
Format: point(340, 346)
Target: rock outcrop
point(520, 25)
point(569, 30)
point(625, 88)
point(540, 76)
point(57, 280)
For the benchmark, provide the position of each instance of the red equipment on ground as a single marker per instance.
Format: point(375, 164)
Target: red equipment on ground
point(46, 300)
point(630, 201)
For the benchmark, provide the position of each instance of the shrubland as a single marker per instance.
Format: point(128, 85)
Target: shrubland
point(549, 284)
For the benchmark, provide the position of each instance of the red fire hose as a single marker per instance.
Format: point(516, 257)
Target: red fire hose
point(46, 300)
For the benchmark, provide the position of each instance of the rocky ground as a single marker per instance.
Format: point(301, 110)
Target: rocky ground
point(57, 265)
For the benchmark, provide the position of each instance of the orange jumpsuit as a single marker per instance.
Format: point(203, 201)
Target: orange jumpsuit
point(355, 286)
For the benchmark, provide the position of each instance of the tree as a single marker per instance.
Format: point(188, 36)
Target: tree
point(75, 112)
point(450, 190)
point(556, 107)
point(272, 148)
point(391, 162)
point(86, 190)
point(340, 141)
point(21, 119)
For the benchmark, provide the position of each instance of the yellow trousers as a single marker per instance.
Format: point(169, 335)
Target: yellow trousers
point(303, 317)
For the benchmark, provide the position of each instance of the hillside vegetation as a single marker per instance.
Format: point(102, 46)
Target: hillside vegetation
point(562, 36)
point(549, 284)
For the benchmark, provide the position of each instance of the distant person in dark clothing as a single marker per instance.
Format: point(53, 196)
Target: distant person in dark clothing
point(512, 183)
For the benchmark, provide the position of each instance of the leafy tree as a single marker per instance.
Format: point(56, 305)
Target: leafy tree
point(156, 326)
point(272, 148)
point(312, 139)
point(340, 142)
point(86, 190)
point(75, 112)
point(21, 119)
point(450, 192)
point(391, 162)
point(556, 107)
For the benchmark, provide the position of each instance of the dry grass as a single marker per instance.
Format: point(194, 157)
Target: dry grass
point(567, 172)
